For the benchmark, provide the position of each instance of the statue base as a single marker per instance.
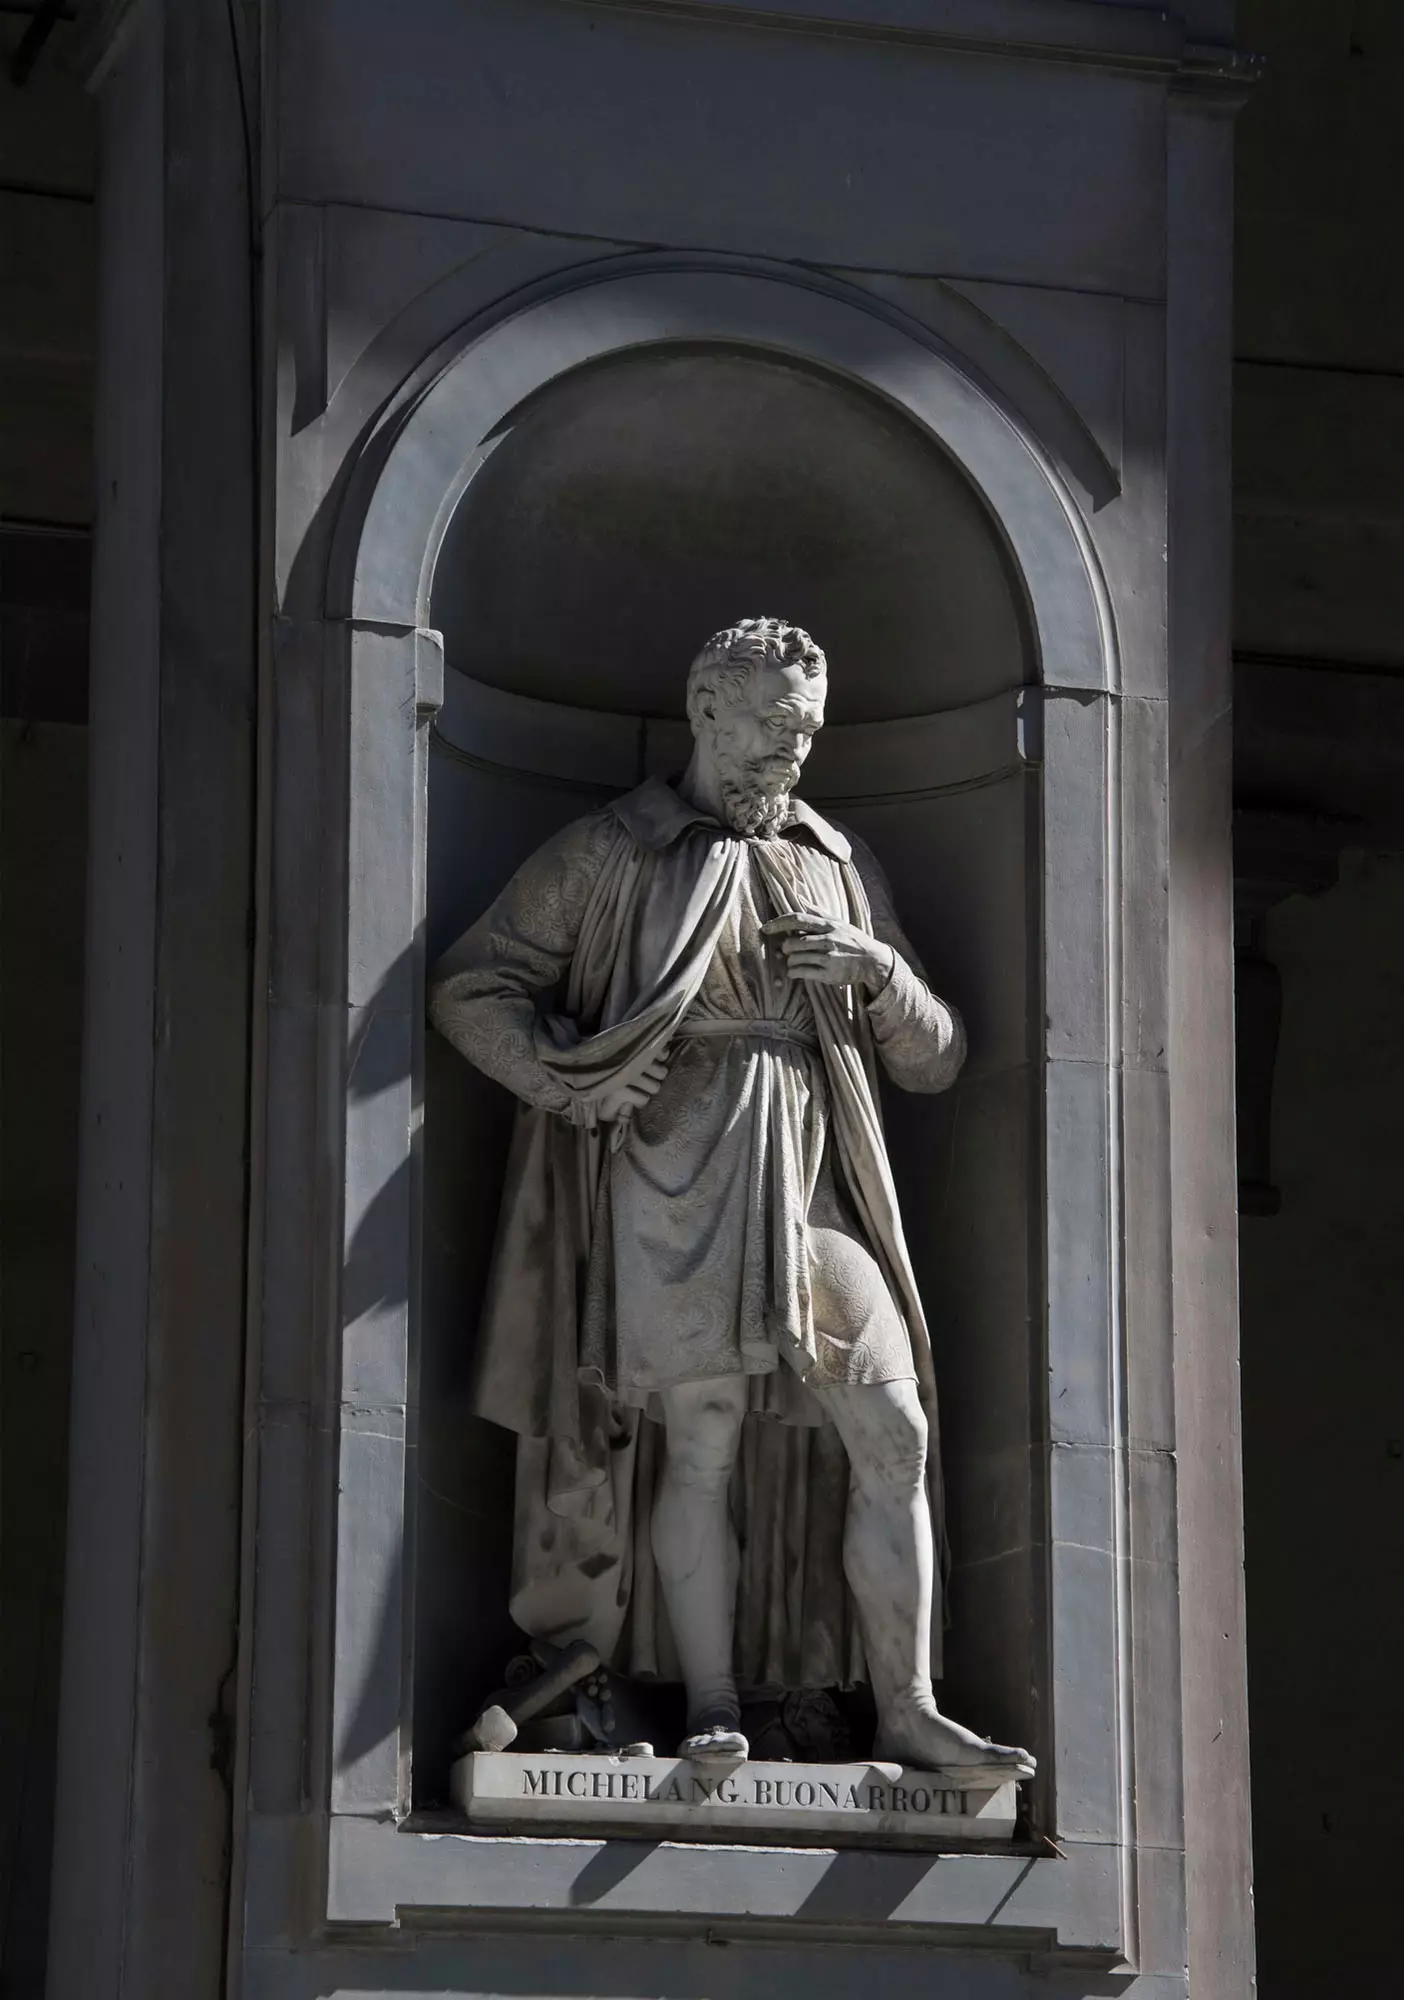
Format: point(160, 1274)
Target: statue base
point(729, 1799)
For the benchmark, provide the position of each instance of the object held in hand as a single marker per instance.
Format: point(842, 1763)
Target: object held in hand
point(828, 950)
point(799, 923)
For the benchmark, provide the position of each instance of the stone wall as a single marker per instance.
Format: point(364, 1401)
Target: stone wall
point(1319, 639)
point(1007, 221)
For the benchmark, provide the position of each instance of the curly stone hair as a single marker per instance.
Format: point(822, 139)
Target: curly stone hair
point(725, 665)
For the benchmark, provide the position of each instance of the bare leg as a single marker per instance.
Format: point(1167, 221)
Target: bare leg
point(890, 1563)
point(695, 1550)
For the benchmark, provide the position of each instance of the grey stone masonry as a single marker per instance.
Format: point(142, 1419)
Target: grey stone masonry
point(996, 230)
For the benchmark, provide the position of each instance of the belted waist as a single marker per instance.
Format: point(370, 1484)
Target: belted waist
point(796, 1033)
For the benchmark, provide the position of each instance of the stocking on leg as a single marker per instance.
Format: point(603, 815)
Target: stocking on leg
point(890, 1563)
point(695, 1550)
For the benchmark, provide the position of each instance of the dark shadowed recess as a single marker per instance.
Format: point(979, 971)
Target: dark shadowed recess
point(635, 506)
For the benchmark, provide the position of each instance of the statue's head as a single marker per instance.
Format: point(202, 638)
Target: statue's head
point(755, 697)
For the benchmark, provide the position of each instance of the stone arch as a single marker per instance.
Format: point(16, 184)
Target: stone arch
point(994, 868)
point(393, 525)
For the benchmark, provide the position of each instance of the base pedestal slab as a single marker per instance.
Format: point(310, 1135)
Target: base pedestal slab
point(735, 1800)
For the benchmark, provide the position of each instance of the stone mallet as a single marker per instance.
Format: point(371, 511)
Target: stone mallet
point(496, 1728)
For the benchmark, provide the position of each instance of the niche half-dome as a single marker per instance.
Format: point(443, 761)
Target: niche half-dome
point(637, 504)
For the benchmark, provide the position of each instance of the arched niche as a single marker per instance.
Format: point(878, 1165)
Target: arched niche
point(625, 512)
point(409, 481)
point(898, 499)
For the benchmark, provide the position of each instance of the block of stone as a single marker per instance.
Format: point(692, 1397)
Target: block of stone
point(554, 1732)
point(881, 1804)
point(493, 1730)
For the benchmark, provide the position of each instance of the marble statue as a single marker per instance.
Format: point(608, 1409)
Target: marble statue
point(702, 1317)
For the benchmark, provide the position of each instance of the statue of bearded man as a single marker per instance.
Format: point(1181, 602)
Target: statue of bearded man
point(702, 1321)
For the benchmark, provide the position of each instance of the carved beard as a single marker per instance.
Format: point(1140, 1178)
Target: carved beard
point(756, 799)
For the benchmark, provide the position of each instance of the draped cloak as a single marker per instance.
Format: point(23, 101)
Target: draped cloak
point(626, 917)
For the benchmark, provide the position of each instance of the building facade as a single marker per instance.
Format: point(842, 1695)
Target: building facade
point(459, 365)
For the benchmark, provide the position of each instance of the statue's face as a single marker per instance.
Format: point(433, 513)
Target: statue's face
point(761, 740)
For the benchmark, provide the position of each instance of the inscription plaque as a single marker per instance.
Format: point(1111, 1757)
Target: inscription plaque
point(733, 1799)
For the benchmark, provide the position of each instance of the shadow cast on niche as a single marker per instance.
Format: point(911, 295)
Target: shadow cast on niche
point(378, 1260)
point(615, 1862)
point(375, 1713)
point(376, 1277)
point(859, 1885)
point(865, 1885)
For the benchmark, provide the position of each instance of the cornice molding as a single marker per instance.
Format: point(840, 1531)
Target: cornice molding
point(1084, 33)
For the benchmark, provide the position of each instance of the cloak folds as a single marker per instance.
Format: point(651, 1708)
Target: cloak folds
point(631, 937)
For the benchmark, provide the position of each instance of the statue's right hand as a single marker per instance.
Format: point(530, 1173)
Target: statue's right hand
point(632, 1096)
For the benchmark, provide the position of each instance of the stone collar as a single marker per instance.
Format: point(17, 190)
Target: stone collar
point(656, 815)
